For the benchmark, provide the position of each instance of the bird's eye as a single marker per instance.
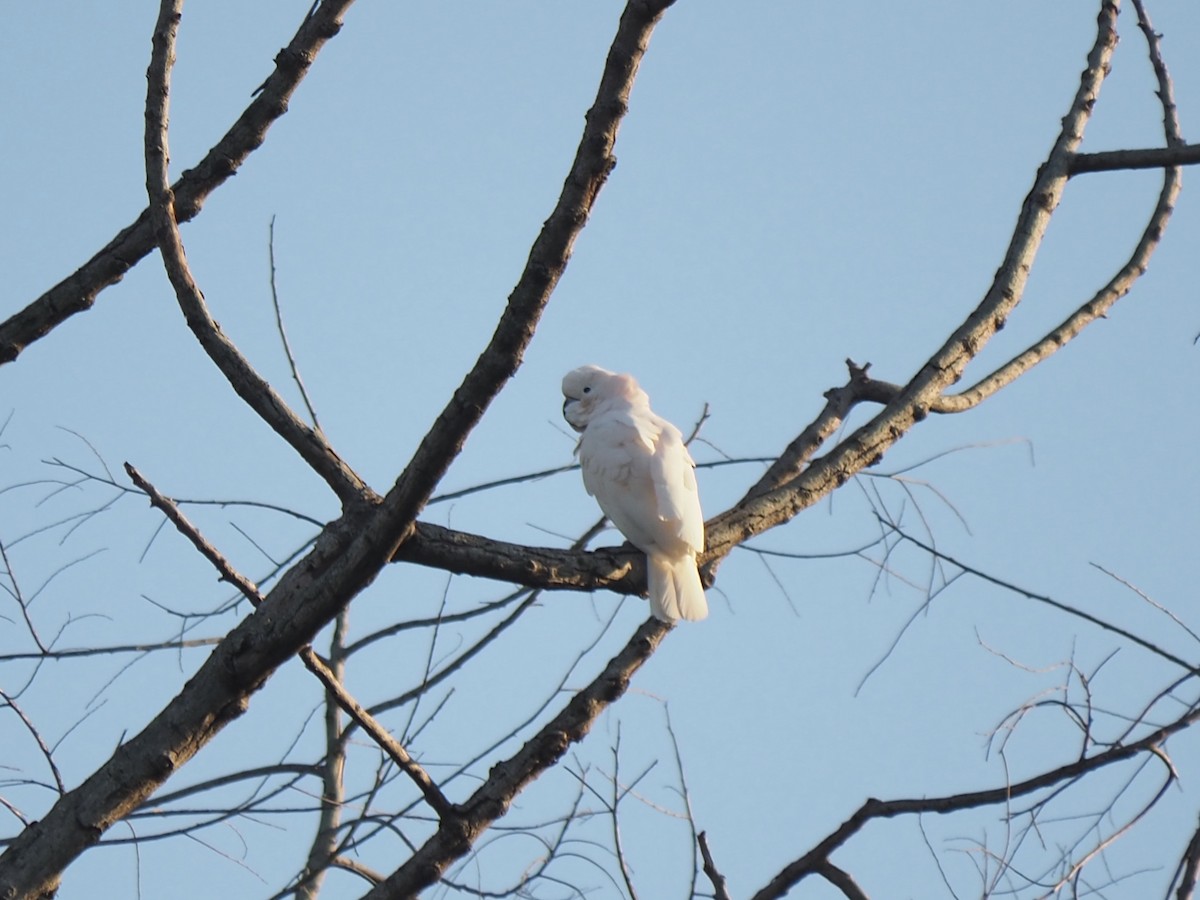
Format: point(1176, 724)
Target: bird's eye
point(587, 390)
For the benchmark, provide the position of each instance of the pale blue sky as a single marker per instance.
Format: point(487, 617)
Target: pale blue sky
point(797, 183)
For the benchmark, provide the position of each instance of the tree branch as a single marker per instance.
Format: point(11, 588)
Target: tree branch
point(841, 879)
point(814, 862)
point(1188, 872)
point(78, 292)
point(868, 443)
point(506, 779)
point(1122, 282)
point(1148, 158)
point(720, 890)
point(379, 734)
point(248, 384)
point(617, 569)
point(169, 509)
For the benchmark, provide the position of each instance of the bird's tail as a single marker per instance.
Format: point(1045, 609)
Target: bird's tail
point(675, 589)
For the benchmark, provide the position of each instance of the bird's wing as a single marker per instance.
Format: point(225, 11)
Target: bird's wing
point(616, 459)
point(674, 476)
point(608, 451)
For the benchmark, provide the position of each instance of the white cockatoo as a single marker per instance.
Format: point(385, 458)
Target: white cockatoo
point(637, 467)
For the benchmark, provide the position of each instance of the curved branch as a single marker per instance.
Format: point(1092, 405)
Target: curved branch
point(815, 861)
point(1122, 282)
point(78, 292)
point(248, 384)
point(867, 444)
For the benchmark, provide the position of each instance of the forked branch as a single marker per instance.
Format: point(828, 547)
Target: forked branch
point(78, 291)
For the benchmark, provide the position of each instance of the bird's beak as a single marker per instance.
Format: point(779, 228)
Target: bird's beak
point(566, 404)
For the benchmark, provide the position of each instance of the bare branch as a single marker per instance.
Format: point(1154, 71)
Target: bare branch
point(594, 161)
point(1188, 873)
point(1057, 604)
point(207, 550)
point(78, 292)
point(18, 596)
point(287, 346)
point(506, 779)
point(1148, 158)
point(248, 384)
point(324, 847)
point(379, 735)
point(310, 659)
point(867, 444)
point(1122, 282)
point(720, 891)
point(842, 880)
point(43, 747)
point(812, 862)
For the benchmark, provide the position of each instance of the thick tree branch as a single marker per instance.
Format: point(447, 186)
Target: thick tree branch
point(617, 569)
point(78, 292)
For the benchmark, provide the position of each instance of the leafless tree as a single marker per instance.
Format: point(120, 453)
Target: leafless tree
point(401, 822)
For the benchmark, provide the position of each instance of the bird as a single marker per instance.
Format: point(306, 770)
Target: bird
point(638, 468)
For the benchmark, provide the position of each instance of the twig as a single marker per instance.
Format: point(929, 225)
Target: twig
point(15, 592)
point(110, 649)
point(684, 793)
point(287, 347)
point(617, 794)
point(1056, 604)
point(379, 734)
point(168, 508)
point(37, 737)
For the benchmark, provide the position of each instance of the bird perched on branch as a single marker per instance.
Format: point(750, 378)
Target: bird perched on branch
point(637, 467)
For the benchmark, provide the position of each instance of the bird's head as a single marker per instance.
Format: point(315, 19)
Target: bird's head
point(589, 387)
